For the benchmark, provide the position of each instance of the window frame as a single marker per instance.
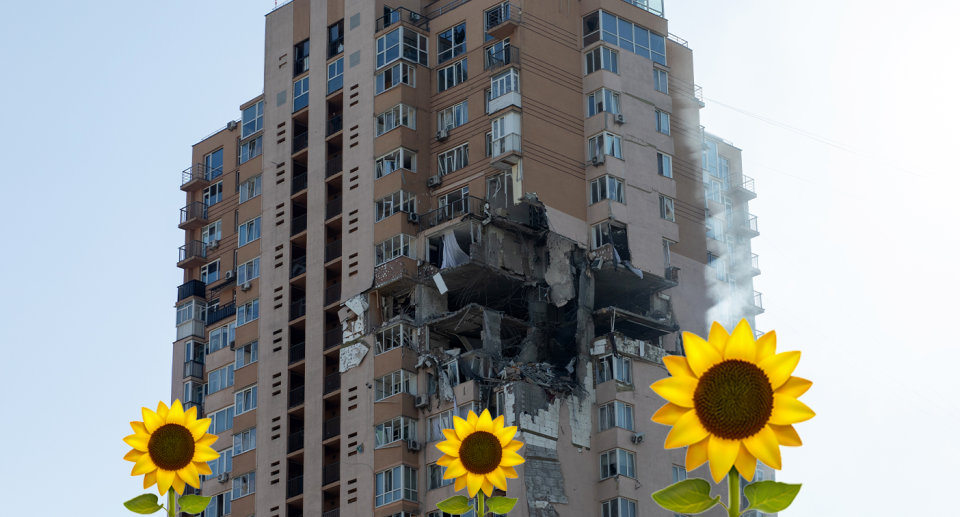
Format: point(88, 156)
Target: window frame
point(663, 122)
point(401, 245)
point(207, 197)
point(240, 400)
point(399, 202)
point(253, 308)
point(618, 510)
point(205, 271)
point(609, 60)
point(654, 48)
point(609, 415)
point(399, 156)
point(245, 154)
point(613, 367)
point(238, 440)
point(224, 379)
point(405, 486)
point(225, 414)
point(241, 353)
point(667, 209)
point(431, 469)
point(593, 107)
point(504, 82)
point(661, 80)
point(243, 237)
point(600, 189)
point(396, 115)
point(335, 75)
point(614, 467)
point(458, 156)
point(609, 141)
point(252, 264)
point(303, 85)
point(401, 335)
point(402, 71)
point(452, 75)
point(422, 48)
point(664, 164)
point(245, 188)
point(405, 426)
point(237, 487)
point(456, 113)
point(401, 378)
point(447, 54)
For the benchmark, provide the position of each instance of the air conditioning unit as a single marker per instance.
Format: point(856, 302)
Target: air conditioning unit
point(228, 274)
point(231, 125)
point(619, 119)
point(598, 160)
point(443, 134)
point(212, 245)
point(423, 401)
point(413, 218)
point(223, 477)
point(413, 445)
point(434, 181)
point(245, 287)
point(637, 438)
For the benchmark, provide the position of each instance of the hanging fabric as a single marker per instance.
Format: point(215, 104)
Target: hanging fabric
point(453, 255)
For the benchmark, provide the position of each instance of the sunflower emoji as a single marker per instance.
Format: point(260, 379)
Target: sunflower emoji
point(480, 453)
point(171, 447)
point(732, 400)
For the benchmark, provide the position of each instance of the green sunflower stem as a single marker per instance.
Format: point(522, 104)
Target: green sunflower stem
point(480, 509)
point(172, 502)
point(733, 493)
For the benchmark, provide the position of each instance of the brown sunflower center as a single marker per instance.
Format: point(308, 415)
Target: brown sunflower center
point(171, 447)
point(480, 453)
point(734, 399)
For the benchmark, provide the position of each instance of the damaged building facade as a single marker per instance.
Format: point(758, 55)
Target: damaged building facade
point(514, 207)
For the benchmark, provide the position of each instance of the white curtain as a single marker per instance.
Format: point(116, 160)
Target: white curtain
point(452, 254)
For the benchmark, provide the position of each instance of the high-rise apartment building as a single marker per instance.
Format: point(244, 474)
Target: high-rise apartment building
point(477, 205)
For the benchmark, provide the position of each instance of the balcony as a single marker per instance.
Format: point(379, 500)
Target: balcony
point(192, 254)
point(744, 224)
point(193, 368)
point(395, 16)
point(331, 294)
point(298, 225)
point(335, 125)
point(191, 288)
point(299, 143)
point(331, 383)
point(500, 21)
point(334, 165)
point(332, 513)
point(298, 266)
point(296, 397)
point(333, 251)
point(652, 6)
point(295, 442)
point(459, 208)
point(224, 311)
point(299, 184)
point(507, 56)
point(335, 47)
point(301, 65)
point(741, 187)
point(508, 96)
point(298, 309)
point(294, 487)
point(193, 216)
point(332, 338)
point(505, 152)
point(189, 404)
point(331, 473)
point(198, 176)
point(749, 267)
point(757, 300)
point(298, 352)
point(334, 208)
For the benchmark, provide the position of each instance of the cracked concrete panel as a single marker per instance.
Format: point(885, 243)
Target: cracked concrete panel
point(544, 481)
point(491, 331)
point(352, 355)
point(559, 274)
point(580, 414)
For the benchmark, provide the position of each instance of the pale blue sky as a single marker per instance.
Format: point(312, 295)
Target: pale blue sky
point(102, 101)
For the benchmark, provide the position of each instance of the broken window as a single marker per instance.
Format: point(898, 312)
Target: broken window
point(435, 477)
point(609, 232)
point(400, 381)
point(500, 190)
point(453, 372)
point(452, 204)
point(617, 462)
point(396, 337)
point(666, 252)
point(401, 428)
point(438, 423)
point(498, 406)
point(397, 246)
point(666, 208)
point(606, 187)
point(400, 201)
point(616, 414)
point(605, 143)
point(611, 367)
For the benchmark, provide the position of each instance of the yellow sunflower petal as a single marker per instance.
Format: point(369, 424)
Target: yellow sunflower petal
point(474, 483)
point(487, 487)
point(795, 386)
point(779, 367)
point(455, 470)
point(137, 441)
point(462, 428)
point(506, 435)
point(190, 475)
point(143, 465)
point(139, 428)
point(498, 479)
point(198, 428)
point(718, 337)
point(204, 453)
point(165, 480)
point(767, 345)
point(178, 484)
point(175, 415)
point(764, 446)
point(133, 455)
point(190, 416)
point(498, 424)
point(686, 431)
point(510, 459)
point(485, 423)
point(722, 454)
point(746, 464)
point(697, 454)
point(162, 410)
point(700, 355)
point(203, 468)
point(741, 345)
point(451, 436)
point(678, 390)
point(509, 472)
point(669, 413)
point(472, 419)
point(786, 410)
point(450, 448)
point(678, 366)
point(460, 483)
point(513, 446)
point(151, 420)
point(149, 479)
point(786, 435)
point(207, 439)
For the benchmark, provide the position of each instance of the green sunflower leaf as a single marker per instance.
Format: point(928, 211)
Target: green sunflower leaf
point(500, 505)
point(193, 504)
point(770, 496)
point(143, 504)
point(690, 496)
point(456, 505)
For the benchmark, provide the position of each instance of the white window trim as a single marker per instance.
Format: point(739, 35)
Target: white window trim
point(619, 187)
point(242, 393)
point(251, 304)
point(453, 46)
point(254, 264)
point(248, 432)
point(395, 203)
point(464, 153)
point(458, 79)
point(405, 424)
point(254, 346)
point(449, 114)
point(405, 242)
point(407, 378)
point(244, 187)
point(615, 98)
point(406, 340)
point(397, 485)
point(411, 74)
point(238, 485)
point(665, 162)
point(241, 231)
point(632, 456)
point(399, 112)
point(610, 141)
point(663, 122)
point(399, 155)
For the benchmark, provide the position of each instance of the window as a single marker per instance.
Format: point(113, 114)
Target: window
point(245, 441)
point(210, 272)
point(497, 54)
point(435, 477)
point(451, 43)
point(250, 189)
point(452, 160)
point(603, 100)
point(301, 94)
point(453, 372)
point(399, 115)
point(602, 57)
point(454, 116)
point(249, 231)
point(616, 414)
point(488, 146)
point(398, 246)
point(452, 75)
point(213, 163)
point(221, 337)
point(400, 428)
point(301, 57)
point(502, 84)
point(251, 149)
point(438, 423)
point(618, 507)
point(414, 47)
point(213, 194)
point(248, 312)
point(456, 203)
point(660, 80)
point(616, 31)
point(248, 271)
point(219, 505)
point(397, 483)
point(400, 381)
point(617, 462)
point(603, 234)
point(220, 379)
point(605, 143)
point(221, 465)
point(401, 201)
point(665, 165)
point(335, 39)
point(400, 159)
point(715, 228)
point(252, 120)
point(666, 208)
point(211, 233)
point(614, 367)
point(221, 420)
point(679, 474)
point(663, 122)
point(606, 187)
point(666, 252)
point(396, 337)
point(245, 400)
point(244, 485)
point(499, 405)
point(335, 76)
point(246, 354)
point(397, 74)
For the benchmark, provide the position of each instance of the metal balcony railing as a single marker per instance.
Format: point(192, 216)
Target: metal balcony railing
point(193, 368)
point(199, 171)
point(331, 383)
point(460, 207)
point(191, 288)
point(698, 93)
point(295, 442)
point(331, 294)
point(399, 14)
point(507, 56)
point(757, 300)
point(335, 47)
point(296, 397)
point(298, 308)
point(298, 352)
point(332, 338)
point(332, 513)
point(299, 142)
point(301, 65)
point(331, 428)
point(334, 208)
point(331, 473)
point(334, 165)
point(333, 251)
point(754, 261)
point(741, 181)
point(193, 249)
point(501, 14)
point(299, 183)
point(221, 312)
point(298, 266)
point(672, 273)
point(653, 6)
point(335, 124)
point(294, 487)
point(195, 210)
point(745, 221)
point(678, 40)
point(298, 224)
